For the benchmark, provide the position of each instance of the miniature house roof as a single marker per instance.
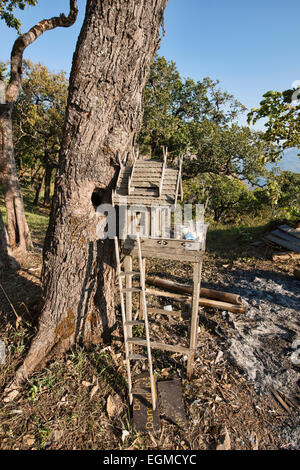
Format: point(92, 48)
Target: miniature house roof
point(148, 182)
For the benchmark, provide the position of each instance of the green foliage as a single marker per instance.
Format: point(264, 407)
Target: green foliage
point(233, 150)
point(39, 114)
point(283, 192)
point(3, 71)
point(7, 8)
point(172, 105)
point(282, 111)
point(226, 199)
point(198, 119)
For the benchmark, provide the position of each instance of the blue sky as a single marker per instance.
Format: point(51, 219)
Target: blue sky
point(251, 47)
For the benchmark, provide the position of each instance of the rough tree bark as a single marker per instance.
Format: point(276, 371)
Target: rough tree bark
point(7, 259)
point(17, 228)
point(114, 52)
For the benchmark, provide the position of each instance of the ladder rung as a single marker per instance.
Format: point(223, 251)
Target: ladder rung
point(129, 273)
point(140, 391)
point(162, 346)
point(134, 323)
point(137, 357)
point(140, 341)
point(132, 289)
point(164, 312)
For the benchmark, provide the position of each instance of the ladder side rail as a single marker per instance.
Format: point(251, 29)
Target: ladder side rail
point(123, 311)
point(145, 313)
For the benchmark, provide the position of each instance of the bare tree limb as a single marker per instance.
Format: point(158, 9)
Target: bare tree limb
point(22, 42)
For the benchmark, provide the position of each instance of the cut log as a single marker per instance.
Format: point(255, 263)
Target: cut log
point(202, 301)
point(184, 289)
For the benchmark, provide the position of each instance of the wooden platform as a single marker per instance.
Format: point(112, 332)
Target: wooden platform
point(167, 248)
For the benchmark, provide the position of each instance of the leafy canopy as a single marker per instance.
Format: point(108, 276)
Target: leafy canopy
point(171, 104)
point(282, 111)
point(39, 113)
point(200, 120)
point(7, 8)
point(225, 198)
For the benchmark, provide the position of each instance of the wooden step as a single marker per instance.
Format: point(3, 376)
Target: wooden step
point(129, 273)
point(162, 346)
point(147, 164)
point(143, 184)
point(144, 191)
point(132, 289)
point(138, 341)
point(140, 391)
point(134, 323)
point(148, 170)
point(137, 357)
point(154, 178)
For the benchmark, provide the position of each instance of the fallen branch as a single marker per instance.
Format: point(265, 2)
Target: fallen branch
point(204, 292)
point(202, 301)
point(280, 401)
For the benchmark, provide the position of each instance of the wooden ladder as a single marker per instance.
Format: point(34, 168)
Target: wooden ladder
point(128, 323)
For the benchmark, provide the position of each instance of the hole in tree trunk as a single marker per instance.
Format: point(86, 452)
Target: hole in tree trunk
point(97, 197)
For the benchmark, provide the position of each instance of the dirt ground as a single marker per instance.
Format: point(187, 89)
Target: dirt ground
point(229, 402)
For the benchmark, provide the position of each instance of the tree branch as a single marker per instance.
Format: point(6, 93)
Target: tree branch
point(22, 42)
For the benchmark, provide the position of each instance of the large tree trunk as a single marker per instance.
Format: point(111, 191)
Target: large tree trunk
point(114, 52)
point(17, 227)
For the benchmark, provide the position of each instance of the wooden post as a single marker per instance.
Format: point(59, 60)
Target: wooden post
point(194, 320)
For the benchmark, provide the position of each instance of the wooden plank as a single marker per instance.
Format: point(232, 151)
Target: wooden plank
point(156, 179)
point(281, 242)
point(145, 419)
point(171, 401)
point(137, 191)
point(172, 255)
point(132, 290)
point(143, 200)
point(295, 232)
point(287, 237)
point(144, 184)
point(181, 250)
point(161, 346)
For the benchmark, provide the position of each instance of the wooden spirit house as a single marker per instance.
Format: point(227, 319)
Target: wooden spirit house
point(147, 192)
